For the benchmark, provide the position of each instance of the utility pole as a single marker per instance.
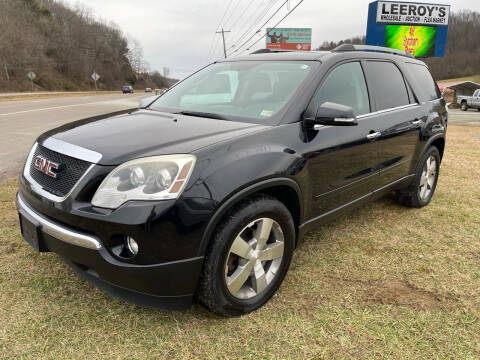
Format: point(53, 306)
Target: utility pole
point(223, 37)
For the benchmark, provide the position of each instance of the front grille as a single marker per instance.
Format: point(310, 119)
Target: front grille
point(68, 174)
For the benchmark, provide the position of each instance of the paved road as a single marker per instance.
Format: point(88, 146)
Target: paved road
point(22, 121)
point(470, 117)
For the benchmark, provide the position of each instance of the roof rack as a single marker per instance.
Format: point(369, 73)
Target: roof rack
point(351, 47)
point(264, 51)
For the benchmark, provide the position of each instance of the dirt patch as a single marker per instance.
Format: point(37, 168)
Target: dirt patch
point(403, 294)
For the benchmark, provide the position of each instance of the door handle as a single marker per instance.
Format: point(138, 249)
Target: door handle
point(416, 122)
point(374, 135)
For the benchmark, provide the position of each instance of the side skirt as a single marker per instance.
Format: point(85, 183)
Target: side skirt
point(331, 215)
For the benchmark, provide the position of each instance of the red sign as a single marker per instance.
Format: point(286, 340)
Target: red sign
point(289, 39)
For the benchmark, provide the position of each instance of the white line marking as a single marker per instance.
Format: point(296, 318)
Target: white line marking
point(64, 106)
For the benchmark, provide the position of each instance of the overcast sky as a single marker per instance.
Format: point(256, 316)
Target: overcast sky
point(179, 34)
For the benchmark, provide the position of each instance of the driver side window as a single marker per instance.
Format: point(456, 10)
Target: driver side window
point(345, 85)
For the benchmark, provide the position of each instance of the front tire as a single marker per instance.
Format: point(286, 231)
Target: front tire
point(421, 190)
point(248, 257)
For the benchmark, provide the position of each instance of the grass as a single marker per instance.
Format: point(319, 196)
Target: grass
point(474, 78)
point(21, 97)
point(384, 282)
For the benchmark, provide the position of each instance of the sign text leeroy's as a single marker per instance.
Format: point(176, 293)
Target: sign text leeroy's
point(412, 13)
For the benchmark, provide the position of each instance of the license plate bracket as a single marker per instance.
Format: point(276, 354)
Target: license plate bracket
point(31, 232)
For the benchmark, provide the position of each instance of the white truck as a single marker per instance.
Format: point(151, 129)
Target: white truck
point(467, 102)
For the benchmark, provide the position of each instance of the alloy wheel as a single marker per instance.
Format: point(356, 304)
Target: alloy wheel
point(427, 179)
point(254, 258)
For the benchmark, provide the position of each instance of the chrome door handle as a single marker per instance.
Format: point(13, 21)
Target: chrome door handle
point(416, 122)
point(374, 135)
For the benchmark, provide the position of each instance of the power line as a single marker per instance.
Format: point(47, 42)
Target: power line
point(264, 35)
point(253, 24)
point(266, 22)
point(241, 15)
point(232, 12)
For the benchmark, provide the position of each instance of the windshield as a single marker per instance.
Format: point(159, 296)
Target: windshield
point(250, 91)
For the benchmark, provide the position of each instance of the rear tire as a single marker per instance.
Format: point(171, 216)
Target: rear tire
point(241, 271)
point(421, 190)
point(464, 106)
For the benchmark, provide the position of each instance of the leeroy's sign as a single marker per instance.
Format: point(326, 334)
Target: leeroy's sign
point(416, 28)
point(412, 13)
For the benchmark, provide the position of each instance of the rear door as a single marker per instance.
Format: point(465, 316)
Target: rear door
point(399, 120)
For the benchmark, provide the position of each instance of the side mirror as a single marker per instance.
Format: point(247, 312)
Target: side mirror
point(147, 101)
point(334, 115)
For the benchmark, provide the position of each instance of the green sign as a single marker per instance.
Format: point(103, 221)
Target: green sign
point(416, 40)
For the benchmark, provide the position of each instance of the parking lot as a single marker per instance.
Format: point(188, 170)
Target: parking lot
point(383, 282)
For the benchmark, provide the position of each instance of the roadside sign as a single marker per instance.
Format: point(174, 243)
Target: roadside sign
point(416, 28)
point(289, 38)
point(95, 76)
point(31, 75)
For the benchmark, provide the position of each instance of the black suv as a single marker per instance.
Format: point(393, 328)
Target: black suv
point(205, 192)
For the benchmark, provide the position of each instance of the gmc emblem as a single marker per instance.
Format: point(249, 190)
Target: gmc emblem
point(45, 166)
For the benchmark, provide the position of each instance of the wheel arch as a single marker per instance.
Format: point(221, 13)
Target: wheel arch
point(438, 141)
point(285, 190)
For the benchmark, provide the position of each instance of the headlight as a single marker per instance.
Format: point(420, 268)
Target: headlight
point(152, 178)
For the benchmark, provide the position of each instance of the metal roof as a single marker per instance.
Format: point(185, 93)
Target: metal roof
point(461, 87)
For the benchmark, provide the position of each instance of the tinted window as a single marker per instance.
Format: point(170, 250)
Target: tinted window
point(345, 85)
point(388, 84)
point(425, 81)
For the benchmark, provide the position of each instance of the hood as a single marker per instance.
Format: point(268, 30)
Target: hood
point(127, 136)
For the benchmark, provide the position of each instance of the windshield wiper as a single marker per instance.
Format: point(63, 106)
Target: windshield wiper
point(202, 114)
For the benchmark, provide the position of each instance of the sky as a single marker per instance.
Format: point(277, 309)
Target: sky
point(180, 34)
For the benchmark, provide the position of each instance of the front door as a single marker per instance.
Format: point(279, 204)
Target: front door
point(476, 98)
point(342, 160)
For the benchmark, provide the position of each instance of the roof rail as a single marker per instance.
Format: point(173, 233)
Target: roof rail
point(264, 51)
point(351, 47)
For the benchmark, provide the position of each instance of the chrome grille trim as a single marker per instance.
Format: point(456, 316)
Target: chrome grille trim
point(72, 150)
point(37, 188)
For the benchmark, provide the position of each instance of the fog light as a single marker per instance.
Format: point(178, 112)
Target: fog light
point(131, 245)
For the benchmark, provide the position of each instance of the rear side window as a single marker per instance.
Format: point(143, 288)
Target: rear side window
point(425, 81)
point(388, 84)
point(345, 85)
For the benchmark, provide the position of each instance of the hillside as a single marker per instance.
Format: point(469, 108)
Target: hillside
point(64, 46)
point(462, 54)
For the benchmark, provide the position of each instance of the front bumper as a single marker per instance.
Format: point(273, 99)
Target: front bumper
point(169, 285)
